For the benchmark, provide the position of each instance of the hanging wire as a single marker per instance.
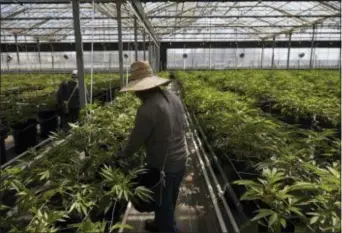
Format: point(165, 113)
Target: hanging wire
point(210, 40)
point(92, 54)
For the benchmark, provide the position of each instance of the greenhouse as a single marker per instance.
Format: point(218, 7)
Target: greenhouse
point(253, 86)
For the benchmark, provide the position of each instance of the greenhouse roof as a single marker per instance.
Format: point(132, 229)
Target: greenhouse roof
point(173, 20)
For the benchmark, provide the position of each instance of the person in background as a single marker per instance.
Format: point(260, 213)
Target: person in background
point(172, 75)
point(160, 128)
point(68, 101)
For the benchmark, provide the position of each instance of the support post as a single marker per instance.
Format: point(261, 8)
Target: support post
point(289, 51)
point(17, 47)
point(153, 57)
point(210, 56)
point(144, 44)
point(79, 52)
point(52, 57)
point(262, 55)
point(149, 50)
point(312, 45)
point(121, 67)
point(135, 38)
point(273, 52)
point(158, 58)
point(38, 49)
point(163, 57)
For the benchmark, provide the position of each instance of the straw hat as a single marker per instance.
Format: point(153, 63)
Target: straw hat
point(142, 78)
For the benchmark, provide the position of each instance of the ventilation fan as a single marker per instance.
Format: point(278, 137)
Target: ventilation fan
point(301, 55)
point(9, 58)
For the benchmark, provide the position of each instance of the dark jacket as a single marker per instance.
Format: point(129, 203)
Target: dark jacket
point(64, 92)
point(160, 127)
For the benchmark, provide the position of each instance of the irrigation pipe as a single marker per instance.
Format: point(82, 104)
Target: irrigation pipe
point(92, 54)
point(207, 180)
point(128, 208)
point(35, 158)
point(199, 145)
point(227, 185)
point(24, 153)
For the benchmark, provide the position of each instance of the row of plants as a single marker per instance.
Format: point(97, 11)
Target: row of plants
point(78, 186)
point(298, 97)
point(18, 83)
point(297, 172)
point(18, 106)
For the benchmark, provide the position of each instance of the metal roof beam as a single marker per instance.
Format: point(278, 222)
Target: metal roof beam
point(100, 27)
point(187, 23)
point(160, 8)
point(17, 12)
point(188, 33)
point(235, 16)
point(112, 46)
point(326, 4)
point(145, 1)
point(56, 18)
point(149, 1)
point(141, 15)
point(302, 26)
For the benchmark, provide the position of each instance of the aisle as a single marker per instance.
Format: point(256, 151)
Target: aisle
point(194, 212)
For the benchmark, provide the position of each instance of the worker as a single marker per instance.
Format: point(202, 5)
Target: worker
point(172, 75)
point(160, 128)
point(68, 101)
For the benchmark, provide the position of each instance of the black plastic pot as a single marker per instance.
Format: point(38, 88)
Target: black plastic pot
point(100, 97)
point(25, 135)
point(3, 152)
point(48, 121)
point(3, 136)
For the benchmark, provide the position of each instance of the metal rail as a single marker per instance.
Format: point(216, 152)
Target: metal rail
point(41, 144)
point(198, 144)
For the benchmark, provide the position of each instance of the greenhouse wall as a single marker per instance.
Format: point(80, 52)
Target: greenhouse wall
point(325, 58)
point(328, 58)
point(56, 61)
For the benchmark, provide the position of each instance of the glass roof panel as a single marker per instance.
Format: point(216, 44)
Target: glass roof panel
point(207, 20)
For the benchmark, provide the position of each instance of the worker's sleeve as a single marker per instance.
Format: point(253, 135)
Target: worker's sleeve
point(60, 93)
point(141, 131)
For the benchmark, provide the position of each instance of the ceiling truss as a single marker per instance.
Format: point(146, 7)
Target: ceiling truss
point(257, 20)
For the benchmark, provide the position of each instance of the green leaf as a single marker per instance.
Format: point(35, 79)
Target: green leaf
point(272, 220)
point(246, 182)
point(314, 219)
point(283, 222)
point(84, 209)
point(296, 211)
point(120, 225)
point(262, 213)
